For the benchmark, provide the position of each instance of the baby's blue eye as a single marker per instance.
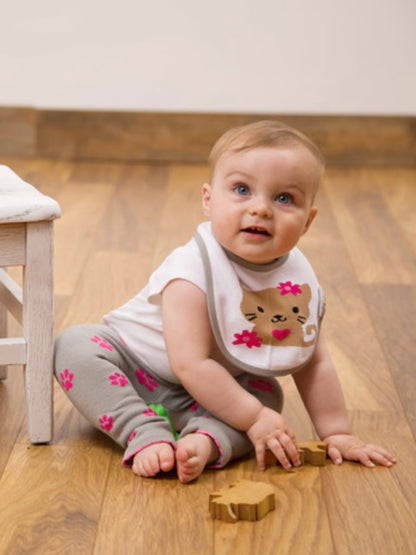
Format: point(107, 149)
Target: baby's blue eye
point(242, 189)
point(284, 198)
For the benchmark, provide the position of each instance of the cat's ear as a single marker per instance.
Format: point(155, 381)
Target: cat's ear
point(312, 213)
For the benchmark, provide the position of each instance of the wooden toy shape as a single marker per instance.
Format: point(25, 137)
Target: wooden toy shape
point(314, 452)
point(244, 500)
point(311, 452)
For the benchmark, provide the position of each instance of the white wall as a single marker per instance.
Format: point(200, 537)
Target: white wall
point(278, 56)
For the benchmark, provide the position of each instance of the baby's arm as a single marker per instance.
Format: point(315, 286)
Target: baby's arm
point(189, 342)
point(321, 393)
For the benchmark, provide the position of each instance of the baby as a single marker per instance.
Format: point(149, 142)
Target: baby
point(218, 321)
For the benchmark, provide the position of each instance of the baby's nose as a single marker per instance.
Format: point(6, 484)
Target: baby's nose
point(261, 207)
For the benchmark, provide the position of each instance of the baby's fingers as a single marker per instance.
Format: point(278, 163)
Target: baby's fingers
point(335, 455)
point(380, 456)
point(285, 450)
point(260, 456)
point(278, 451)
point(373, 455)
point(363, 458)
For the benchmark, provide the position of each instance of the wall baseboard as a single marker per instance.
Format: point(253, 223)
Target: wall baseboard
point(188, 137)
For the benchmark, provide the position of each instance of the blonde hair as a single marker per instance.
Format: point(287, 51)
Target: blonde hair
point(263, 134)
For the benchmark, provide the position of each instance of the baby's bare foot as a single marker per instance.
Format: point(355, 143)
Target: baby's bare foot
point(158, 457)
point(194, 452)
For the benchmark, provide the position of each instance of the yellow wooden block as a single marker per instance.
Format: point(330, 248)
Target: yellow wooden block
point(311, 452)
point(243, 500)
point(314, 452)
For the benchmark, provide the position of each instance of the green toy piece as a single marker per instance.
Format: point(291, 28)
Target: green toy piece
point(160, 410)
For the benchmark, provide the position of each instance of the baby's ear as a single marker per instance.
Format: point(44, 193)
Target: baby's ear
point(312, 214)
point(206, 198)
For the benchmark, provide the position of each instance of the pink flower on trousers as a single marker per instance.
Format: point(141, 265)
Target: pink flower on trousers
point(106, 422)
point(132, 436)
point(146, 380)
point(66, 379)
point(102, 342)
point(150, 412)
point(118, 379)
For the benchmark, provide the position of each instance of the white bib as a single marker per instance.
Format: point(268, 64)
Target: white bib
point(265, 318)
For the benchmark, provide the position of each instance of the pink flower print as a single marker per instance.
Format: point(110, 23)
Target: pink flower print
point(118, 379)
point(248, 338)
point(194, 407)
point(106, 422)
point(132, 436)
point(261, 384)
point(102, 342)
point(146, 380)
point(288, 287)
point(66, 379)
point(150, 412)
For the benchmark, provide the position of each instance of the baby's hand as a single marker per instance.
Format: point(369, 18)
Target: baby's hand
point(349, 447)
point(271, 430)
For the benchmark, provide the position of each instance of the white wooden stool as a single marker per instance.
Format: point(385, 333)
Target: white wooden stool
point(26, 239)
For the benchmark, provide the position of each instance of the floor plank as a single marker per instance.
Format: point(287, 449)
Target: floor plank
point(84, 210)
point(373, 237)
point(393, 310)
point(154, 516)
point(372, 511)
point(51, 497)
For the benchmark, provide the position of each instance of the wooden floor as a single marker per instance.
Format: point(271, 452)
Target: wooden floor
point(118, 223)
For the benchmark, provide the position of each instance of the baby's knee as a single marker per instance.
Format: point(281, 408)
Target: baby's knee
point(67, 346)
point(66, 339)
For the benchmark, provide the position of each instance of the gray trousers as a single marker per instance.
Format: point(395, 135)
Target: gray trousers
point(110, 386)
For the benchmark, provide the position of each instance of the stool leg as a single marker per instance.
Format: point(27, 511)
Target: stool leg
point(3, 333)
point(38, 329)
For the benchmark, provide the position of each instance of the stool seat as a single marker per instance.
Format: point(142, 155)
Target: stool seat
point(21, 202)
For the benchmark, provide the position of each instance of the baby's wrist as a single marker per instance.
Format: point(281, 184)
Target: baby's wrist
point(336, 427)
point(328, 436)
point(252, 415)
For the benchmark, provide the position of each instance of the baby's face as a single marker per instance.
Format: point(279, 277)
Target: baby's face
point(260, 201)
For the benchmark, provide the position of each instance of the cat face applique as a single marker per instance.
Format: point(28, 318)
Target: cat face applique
point(279, 315)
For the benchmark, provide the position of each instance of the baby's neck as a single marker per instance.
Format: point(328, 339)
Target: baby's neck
point(253, 266)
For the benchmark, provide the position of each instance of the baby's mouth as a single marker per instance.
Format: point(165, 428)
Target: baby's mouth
point(253, 230)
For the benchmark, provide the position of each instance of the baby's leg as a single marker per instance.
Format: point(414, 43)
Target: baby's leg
point(230, 443)
point(193, 453)
point(97, 373)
